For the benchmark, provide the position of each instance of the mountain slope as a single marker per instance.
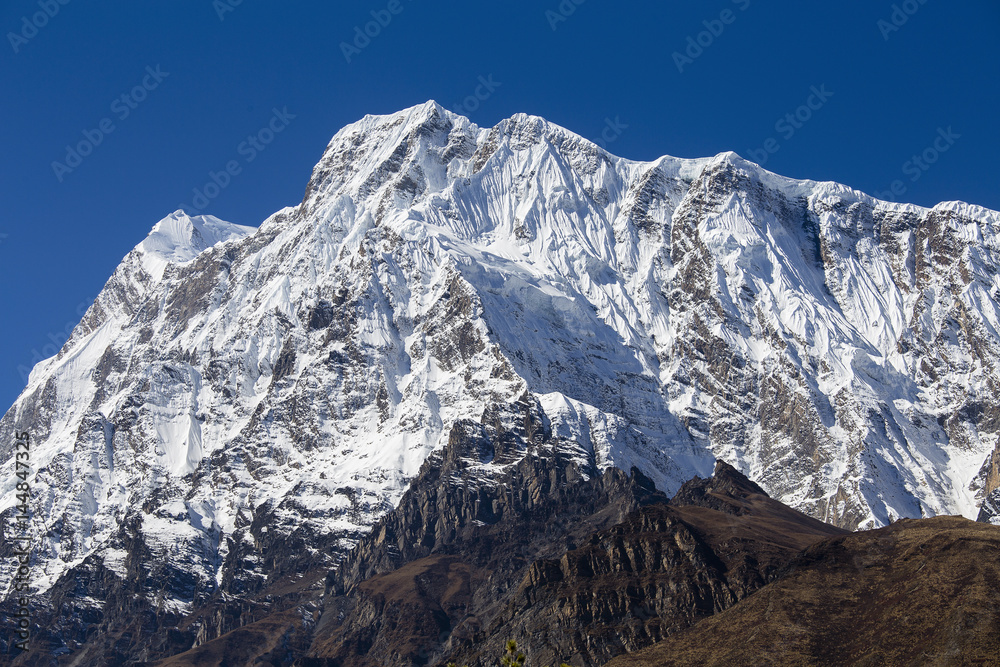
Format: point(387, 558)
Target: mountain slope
point(915, 593)
point(231, 393)
point(662, 569)
point(570, 565)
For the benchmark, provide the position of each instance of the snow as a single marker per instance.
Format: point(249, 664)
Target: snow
point(179, 238)
point(460, 279)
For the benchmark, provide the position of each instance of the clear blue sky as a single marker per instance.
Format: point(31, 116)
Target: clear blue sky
point(224, 67)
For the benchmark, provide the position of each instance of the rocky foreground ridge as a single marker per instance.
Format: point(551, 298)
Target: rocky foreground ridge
point(573, 564)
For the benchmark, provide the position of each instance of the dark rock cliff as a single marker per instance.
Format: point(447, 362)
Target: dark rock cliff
point(918, 592)
point(512, 533)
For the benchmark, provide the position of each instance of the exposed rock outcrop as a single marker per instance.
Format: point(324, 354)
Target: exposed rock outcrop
point(919, 592)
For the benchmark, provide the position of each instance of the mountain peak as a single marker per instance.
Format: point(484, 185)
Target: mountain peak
point(726, 485)
point(179, 238)
point(664, 315)
point(731, 157)
point(405, 119)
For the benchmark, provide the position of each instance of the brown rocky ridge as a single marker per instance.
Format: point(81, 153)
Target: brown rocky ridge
point(574, 564)
point(918, 592)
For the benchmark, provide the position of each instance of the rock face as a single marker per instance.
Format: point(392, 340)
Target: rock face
point(431, 575)
point(918, 592)
point(239, 407)
point(662, 569)
point(572, 564)
point(990, 511)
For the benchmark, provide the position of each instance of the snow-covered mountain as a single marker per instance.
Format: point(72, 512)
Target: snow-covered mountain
point(230, 382)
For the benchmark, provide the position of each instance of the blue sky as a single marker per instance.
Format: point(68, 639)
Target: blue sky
point(170, 91)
